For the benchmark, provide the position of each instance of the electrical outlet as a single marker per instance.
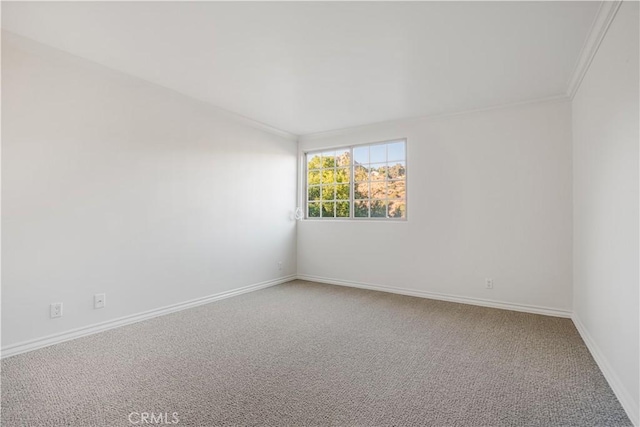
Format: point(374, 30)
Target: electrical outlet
point(488, 283)
point(280, 265)
point(56, 309)
point(99, 300)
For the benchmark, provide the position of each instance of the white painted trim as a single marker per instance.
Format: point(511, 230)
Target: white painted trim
point(36, 47)
point(25, 346)
point(624, 397)
point(525, 308)
point(605, 15)
point(246, 120)
point(430, 117)
point(41, 48)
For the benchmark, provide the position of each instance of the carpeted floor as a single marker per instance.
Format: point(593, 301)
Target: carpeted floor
point(306, 354)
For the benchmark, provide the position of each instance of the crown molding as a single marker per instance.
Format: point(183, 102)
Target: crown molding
point(248, 121)
point(43, 49)
point(605, 15)
point(431, 117)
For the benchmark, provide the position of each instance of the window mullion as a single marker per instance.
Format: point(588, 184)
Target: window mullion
point(335, 188)
point(352, 185)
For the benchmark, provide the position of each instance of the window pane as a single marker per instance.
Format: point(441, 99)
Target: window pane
point(377, 171)
point(313, 177)
point(342, 209)
point(397, 170)
point(395, 151)
point(344, 158)
point(361, 173)
point(378, 190)
point(378, 153)
point(343, 175)
point(328, 159)
point(361, 209)
point(361, 155)
point(328, 209)
point(328, 192)
point(314, 210)
point(328, 176)
point(361, 190)
point(378, 209)
point(396, 189)
point(313, 161)
point(383, 171)
point(397, 209)
point(314, 193)
point(342, 192)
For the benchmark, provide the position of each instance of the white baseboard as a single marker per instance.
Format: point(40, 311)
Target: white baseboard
point(25, 346)
point(627, 402)
point(442, 297)
point(624, 397)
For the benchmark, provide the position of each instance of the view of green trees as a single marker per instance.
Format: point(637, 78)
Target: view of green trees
point(328, 184)
point(379, 188)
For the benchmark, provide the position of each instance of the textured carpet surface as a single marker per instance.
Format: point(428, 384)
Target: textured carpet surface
point(305, 354)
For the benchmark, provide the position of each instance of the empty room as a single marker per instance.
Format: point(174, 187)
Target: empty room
point(320, 213)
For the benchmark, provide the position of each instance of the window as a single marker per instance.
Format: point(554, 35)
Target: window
point(363, 181)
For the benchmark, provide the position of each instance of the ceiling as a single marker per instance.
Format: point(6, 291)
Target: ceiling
point(307, 67)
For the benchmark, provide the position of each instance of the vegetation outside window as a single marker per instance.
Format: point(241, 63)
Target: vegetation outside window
point(363, 181)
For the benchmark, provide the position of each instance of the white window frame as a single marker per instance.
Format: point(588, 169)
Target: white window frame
point(352, 217)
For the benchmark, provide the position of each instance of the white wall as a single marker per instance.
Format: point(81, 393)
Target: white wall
point(605, 187)
point(111, 184)
point(489, 196)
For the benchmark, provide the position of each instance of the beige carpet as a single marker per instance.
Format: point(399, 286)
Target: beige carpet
point(306, 354)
